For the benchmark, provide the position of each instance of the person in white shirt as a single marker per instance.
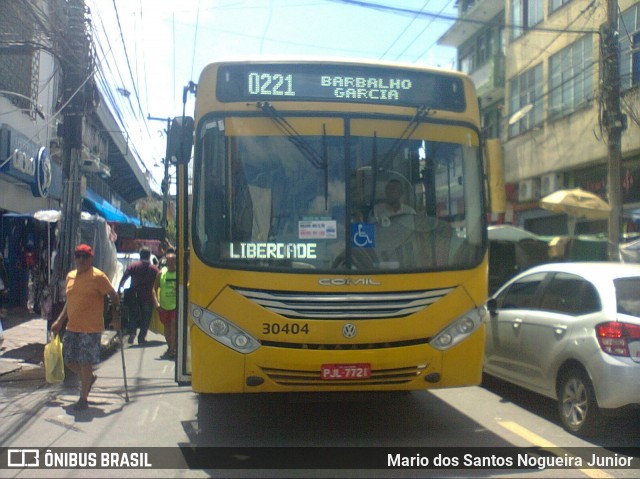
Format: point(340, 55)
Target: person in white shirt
point(393, 205)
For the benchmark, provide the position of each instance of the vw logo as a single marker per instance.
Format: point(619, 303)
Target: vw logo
point(349, 330)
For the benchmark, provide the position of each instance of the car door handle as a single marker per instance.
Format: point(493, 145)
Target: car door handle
point(559, 329)
point(516, 323)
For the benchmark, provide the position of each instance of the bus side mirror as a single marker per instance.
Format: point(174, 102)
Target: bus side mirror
point(181, 140)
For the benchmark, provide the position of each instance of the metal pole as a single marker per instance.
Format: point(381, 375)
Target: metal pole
point(165, 180)
point(124, 367)
point(76, 80)
point(615, 123)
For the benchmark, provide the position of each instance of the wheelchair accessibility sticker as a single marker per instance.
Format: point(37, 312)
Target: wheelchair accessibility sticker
point(363, 235)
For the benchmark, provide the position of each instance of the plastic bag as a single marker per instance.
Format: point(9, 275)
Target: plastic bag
point(53, 361)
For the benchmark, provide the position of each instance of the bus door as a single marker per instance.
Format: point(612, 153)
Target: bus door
point(179, 146)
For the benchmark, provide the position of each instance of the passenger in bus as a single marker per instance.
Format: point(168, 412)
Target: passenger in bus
point(392, 205)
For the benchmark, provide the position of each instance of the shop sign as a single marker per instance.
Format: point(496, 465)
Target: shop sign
point(26, 161)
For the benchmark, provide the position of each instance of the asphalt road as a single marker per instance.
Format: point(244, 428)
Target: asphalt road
point(161, 414)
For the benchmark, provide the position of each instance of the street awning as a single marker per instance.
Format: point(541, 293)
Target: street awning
point(106, 209)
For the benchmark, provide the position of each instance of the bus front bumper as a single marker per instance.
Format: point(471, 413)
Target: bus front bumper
point(218, 369)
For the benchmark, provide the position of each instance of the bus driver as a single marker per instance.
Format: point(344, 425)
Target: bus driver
point(392, 205)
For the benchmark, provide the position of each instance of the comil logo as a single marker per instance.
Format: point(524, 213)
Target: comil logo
point(347, 282)
point(23, 458)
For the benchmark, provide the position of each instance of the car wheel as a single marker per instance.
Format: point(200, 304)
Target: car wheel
point(577, 403)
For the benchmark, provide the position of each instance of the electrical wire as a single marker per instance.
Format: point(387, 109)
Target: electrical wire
point(126, 54)
point(144, 58)
point(435, 42)
point(114, 100)
point(545, 48)
point(195, 39)
point(100, 71)
point(449, 18)
point(415, 17)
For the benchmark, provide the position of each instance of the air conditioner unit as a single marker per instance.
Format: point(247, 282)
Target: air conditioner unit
point(89, 163)
point(529, 190)
point(105, 171)
point(551, 182)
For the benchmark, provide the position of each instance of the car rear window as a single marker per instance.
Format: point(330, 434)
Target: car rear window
point(627, 296)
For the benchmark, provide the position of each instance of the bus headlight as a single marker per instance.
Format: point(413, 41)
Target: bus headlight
point(223, 330)
point(460, 329)
point(241, 341)
point(218, 327)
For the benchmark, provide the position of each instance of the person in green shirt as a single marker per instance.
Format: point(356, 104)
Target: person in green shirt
point(165, 301)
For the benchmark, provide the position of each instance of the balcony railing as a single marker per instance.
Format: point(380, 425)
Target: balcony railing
point(489, 77)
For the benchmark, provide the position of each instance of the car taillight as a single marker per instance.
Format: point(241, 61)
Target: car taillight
point(614, 337)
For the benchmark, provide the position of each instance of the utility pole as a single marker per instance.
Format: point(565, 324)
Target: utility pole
point(615, 123)
point(77, 72)
point(165, 180)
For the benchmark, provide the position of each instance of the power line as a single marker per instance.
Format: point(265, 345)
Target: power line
point(435, 42)
point(126, 54)
point(559, 32)
point(125, 114)
point(266, 28)
point(404, 31)
point(586, 68)
point(449, 18)
point(195, 39)
point(144, 59)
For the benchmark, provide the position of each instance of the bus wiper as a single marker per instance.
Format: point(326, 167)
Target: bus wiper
point(294, 137)
point(422, 112)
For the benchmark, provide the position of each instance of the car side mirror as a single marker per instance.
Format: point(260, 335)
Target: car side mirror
point(492, 307)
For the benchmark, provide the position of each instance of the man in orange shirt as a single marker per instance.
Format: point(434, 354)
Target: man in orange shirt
point(86, 288)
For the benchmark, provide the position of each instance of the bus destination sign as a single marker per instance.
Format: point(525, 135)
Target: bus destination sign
point(343, 83)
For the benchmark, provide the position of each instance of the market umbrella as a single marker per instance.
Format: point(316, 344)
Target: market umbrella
point(577, 204)
point(50, 216)
point(509, 233)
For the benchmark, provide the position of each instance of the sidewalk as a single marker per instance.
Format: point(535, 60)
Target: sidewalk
point(25, 334)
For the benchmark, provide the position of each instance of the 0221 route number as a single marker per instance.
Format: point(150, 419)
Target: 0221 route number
point(270, 84)
point(286, 328)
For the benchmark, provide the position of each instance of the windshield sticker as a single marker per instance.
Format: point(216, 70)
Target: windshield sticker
point(363, 235)
point(317, 229)
point(273, 251)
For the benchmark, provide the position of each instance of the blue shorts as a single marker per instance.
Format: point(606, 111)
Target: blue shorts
point(81, 347)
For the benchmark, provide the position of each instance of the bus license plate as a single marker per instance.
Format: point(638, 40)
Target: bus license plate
point(345, 371)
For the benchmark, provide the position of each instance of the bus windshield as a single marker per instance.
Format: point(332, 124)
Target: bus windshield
point(337, 194)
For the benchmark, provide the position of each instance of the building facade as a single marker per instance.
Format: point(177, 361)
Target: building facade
point(552, 131)
point(34, 57)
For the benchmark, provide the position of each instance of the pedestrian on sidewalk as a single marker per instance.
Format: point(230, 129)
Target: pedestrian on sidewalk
point(83, 313)
point(164, 298)
point(143, 277)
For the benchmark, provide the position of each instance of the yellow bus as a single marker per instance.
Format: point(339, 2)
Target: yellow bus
point(336, 235)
